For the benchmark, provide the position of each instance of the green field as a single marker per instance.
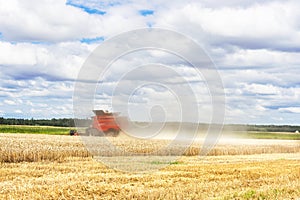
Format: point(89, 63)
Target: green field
point(50, 130)
point(273, 135)
point(263, 135)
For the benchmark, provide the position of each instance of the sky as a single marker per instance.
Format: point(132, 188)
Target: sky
point(255, 46)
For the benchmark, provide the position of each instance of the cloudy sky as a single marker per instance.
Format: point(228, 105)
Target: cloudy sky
point(255, 46)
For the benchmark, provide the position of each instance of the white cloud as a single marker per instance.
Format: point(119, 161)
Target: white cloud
point(260, 58)
point(9, 102)
point(62, 60)
point(55, 21)
point(19, 111)
point(260, 25)
point(291, 109)
point(18, 54)
point(261, 89)
point(46, 21)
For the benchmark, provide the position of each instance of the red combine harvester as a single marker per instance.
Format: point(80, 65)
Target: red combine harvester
point(104, 124)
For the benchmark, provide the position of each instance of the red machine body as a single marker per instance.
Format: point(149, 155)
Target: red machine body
point(104, 124)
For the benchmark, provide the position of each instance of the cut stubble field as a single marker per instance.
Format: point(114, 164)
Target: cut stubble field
point(60, 167)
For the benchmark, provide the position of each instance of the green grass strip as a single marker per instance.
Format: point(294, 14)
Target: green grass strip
point(34, 129)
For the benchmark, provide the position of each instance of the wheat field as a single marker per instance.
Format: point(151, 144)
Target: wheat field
point(60, 167)
point(30, 147)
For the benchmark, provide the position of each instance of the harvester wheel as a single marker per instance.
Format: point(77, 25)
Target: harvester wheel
point(112, 133)
point(117, 132)
point(94, 132)
point(87, 132)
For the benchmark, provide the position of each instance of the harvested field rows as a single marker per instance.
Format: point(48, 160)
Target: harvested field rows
point(268, 176)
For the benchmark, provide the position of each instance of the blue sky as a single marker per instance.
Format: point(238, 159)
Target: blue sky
point(255, 46)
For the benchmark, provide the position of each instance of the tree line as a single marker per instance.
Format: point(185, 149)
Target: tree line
point(261, 128)
point(69, 122)
point(62, 122)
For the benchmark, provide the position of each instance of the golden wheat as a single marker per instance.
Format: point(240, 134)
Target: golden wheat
point(18, 148)
point(29, 148)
